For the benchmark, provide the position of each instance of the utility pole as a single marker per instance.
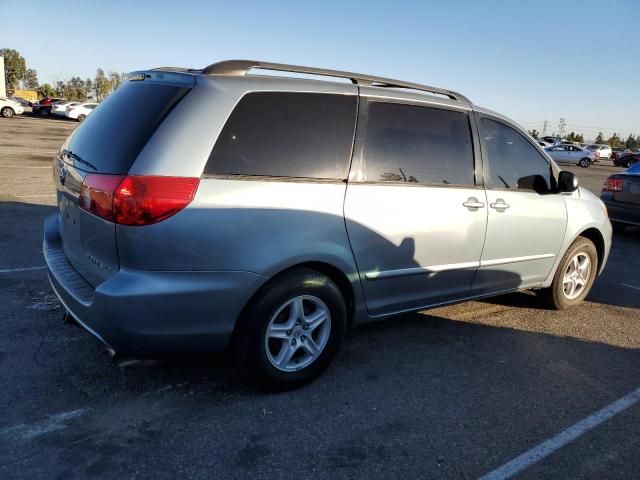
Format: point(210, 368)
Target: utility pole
point(561, 128)
point(544, 127)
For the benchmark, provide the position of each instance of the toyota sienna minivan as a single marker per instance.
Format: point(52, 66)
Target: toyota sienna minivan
point(263, 215)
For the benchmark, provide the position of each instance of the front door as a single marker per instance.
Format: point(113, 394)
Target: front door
point(526, 218)
point(416, 219)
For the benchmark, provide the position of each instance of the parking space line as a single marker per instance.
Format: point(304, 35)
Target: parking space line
point(24, 269)
point(547, 447)
point(630, 286)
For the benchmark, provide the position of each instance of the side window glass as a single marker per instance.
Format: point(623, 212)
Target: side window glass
point(415, 144)
point(511, 161)
point(285, 134)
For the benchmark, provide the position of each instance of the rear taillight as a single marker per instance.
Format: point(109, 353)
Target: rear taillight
point(136, 200)
point(612, 185)
point(96, 194)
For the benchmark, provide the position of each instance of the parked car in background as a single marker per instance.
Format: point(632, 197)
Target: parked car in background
point(43, 107)
point(601, 151)
point(626, 160)
point(60, 108)
point(550, 140)
point(616, 152)
point(216, 209)
point(9, 108)
point(569, 153)
point(80, 111)
point(22, 101)
point(621, 195)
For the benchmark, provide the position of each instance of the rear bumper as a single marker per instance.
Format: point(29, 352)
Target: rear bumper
point(623, 213)
point(150, 313)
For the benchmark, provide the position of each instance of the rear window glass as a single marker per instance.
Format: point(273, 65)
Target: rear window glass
point(284, 134)
point(114, 134)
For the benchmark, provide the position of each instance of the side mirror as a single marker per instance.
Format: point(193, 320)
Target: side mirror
point(567, 182)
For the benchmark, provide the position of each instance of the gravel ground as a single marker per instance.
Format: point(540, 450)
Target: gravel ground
point(449, 393)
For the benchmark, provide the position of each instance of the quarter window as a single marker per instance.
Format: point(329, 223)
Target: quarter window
point(413, 144)
point(512, 162)
point(284, 134)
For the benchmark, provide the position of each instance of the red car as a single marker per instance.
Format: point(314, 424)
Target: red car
point(43, 107)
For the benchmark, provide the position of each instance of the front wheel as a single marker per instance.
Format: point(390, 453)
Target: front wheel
point(585, 162)
point(7, 112)
point(575, 275)
point(81, 118)
point(292, 331)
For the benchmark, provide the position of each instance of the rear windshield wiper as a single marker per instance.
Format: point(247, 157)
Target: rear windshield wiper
point(77, 158)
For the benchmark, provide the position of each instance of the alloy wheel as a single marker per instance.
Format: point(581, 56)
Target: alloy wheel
point(297, 333)
point(576, 276)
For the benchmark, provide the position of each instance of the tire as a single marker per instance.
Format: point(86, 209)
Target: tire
point(556, 295)
point(618, 227)
point(44, 112)
point(81, 118)
point(270, 330)
point(7, 112)
point(585, 162)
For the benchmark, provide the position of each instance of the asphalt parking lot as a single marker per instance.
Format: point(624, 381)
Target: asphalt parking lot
point(453, 392)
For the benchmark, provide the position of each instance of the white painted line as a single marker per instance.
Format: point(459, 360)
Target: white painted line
point(630, 286)
point(25, 269)
point(547, 447)
point(50, 424)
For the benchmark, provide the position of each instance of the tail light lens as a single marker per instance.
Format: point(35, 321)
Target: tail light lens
point(612, 185)
point(136, 200)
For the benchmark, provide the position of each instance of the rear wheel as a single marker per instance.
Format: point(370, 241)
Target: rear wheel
point(575, 275)
point(292, 331)
point(81, 117)
point(7, 112)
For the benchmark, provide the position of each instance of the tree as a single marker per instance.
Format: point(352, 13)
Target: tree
point(14, 66)
point(631, 142)
point(599, 138)
point(47, 90)
point(30, 80)
point(534, 133)
point(615, 141)
point(579, 138)
point(115, 79)
point(88, 88)
point(101, 85)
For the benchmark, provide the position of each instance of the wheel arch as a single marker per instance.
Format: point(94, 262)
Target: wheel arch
point(597, 238)
point(337, 275)
point(8, 107)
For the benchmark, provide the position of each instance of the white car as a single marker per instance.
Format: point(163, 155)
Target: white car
point(81, 111)
point(9, 108)
point(60, 108)
point(571, 154)
point(601, 151)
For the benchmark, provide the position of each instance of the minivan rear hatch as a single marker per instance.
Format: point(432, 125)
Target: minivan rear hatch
point(107, 144)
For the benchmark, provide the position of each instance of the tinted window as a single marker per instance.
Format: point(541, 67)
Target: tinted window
point(287, 135)
point(512, 162)
point(406, 143)
point(112, 136)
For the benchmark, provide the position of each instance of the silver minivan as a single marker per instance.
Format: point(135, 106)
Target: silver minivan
point(264, 215)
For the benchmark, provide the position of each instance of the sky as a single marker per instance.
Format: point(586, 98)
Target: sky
point(578, 60)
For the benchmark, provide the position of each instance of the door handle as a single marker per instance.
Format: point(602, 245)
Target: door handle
point(499, 205)
point(473, 204)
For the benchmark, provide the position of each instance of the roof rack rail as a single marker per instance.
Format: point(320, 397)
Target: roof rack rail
point(242, 67)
